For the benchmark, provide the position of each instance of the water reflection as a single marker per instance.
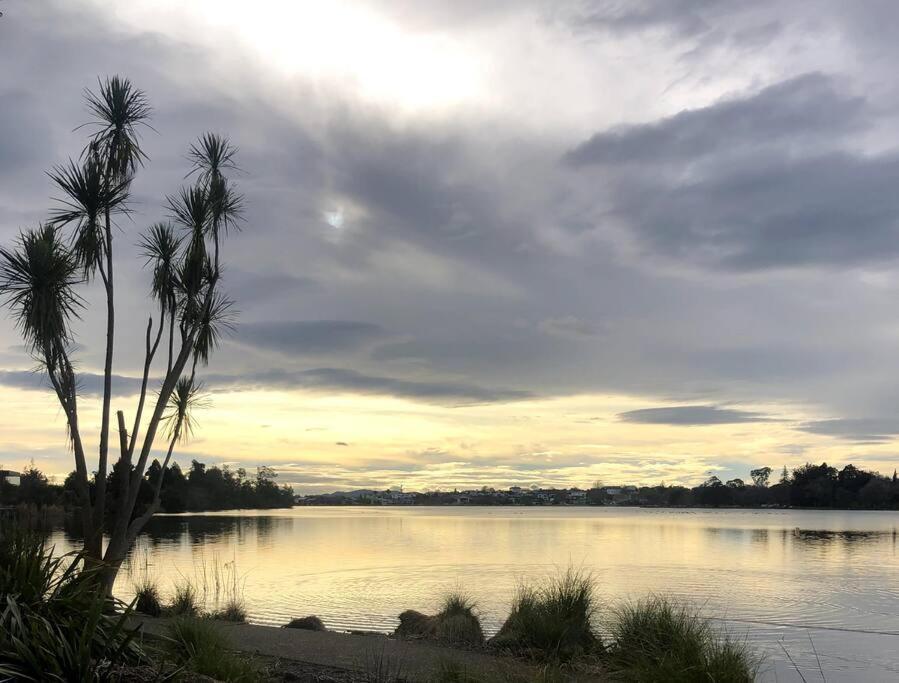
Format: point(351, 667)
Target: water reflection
point(358, 568)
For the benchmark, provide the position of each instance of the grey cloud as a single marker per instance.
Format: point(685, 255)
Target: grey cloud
point(254, 288)
point(701, 24)
point(804, 108)
point(863, 430)
point(338, 379)
point(569, 326)
point(308, 336)
point(692, 415)
point(683, 16)
point(89, 384)
point(752, 186)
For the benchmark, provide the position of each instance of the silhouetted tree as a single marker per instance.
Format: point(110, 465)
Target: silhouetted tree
point(39, 279)
point(760, 476)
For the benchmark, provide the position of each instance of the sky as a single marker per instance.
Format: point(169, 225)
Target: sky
point(495, 242)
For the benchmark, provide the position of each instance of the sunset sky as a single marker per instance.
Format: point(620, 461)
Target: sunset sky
point(496, 242)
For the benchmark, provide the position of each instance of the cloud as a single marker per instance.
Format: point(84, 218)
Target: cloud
point(308, 337)
point(569, 326)
point(768, 180)
point(89, 384)
point(338, 379)
point(862, 430)
point(692, 415)
point(796, 111)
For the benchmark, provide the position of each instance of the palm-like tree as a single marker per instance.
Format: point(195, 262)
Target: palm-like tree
point(120, 110)
point(39, 276)
point(37, 281)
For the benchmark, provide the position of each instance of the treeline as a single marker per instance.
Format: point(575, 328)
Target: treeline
point(199, 489)
point(808, 486)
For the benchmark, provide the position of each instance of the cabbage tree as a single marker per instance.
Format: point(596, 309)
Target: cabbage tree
point(42, 273)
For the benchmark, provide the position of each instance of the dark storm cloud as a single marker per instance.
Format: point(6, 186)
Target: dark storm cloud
point(862, 430)
point(692, 415)
point(301, 337)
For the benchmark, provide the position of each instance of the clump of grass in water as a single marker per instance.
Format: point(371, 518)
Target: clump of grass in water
point(659, 639)
point(553, 621)
point(184, 600)
point(201, 647)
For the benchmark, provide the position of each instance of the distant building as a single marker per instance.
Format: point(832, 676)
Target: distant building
point(577, 497)
point(10, 477)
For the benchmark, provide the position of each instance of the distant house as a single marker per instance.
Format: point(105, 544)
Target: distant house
point(619, 495)
point(577, 497)
point(10, 477)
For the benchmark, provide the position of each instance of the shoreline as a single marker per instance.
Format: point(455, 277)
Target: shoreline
point(355, 653)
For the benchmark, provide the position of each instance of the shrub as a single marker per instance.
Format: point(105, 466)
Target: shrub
point(146, 598)
point(201, 647)
point(54, 623)
point(184, 600)
point(552, 621)
point(233, 610)
point(658, 639)
point(456, 623)
point(310, 623)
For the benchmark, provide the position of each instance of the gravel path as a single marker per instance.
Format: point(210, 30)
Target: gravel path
point(410, 660)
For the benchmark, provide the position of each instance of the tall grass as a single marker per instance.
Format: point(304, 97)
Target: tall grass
point(146, 598)
point(185, 601)
point(215, 589)
point(200, 646)
point(659, 639)
point(553, 621)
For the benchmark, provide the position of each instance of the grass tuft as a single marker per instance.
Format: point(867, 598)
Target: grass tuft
point(456, 623)
point(201, 647)
point(552, 621)
point(185, 601)
point(233, 610)
point(146, 598)
point(660, 639)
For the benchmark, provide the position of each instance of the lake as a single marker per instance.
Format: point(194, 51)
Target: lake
point(803, 586)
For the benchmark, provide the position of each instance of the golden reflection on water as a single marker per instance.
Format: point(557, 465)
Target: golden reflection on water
point(357, 568)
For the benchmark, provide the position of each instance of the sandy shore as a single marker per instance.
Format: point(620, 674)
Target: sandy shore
point(413, 660)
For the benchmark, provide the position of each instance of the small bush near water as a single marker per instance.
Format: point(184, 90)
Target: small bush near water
point(146, 598)
point(184, 600)
point(553, 621)
point(455, 624)
point(233, 610)
point(54, 624)
point(200, 646)
point(657, 639)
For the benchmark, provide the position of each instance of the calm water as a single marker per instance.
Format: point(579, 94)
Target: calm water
point(788, 580)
